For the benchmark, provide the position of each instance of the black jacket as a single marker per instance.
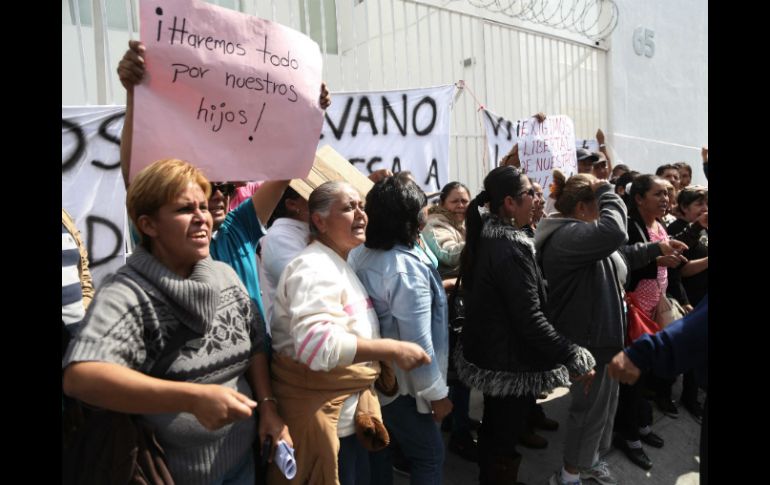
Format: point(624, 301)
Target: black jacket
point(637, 232)
point(508, 347)
point(696, 237)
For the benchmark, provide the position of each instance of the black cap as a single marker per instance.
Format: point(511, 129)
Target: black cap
point(584, 155)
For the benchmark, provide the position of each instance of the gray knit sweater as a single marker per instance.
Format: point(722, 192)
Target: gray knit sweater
point(129, 323)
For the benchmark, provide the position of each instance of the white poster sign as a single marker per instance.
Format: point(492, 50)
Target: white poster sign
point(542, 146)
point(396, 130)
point(91, 184)
point(546, 146)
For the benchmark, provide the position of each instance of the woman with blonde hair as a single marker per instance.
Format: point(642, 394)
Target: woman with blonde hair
point(201, 407)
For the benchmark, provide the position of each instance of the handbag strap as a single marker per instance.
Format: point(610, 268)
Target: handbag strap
point(179, 337)
point(456, 289)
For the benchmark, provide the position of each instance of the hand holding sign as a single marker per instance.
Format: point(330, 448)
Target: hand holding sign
point(231, 93)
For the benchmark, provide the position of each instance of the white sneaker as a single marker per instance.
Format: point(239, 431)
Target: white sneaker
point(556, 480)
point(600, 473)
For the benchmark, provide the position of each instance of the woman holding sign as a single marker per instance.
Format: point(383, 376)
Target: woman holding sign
point(171, 292)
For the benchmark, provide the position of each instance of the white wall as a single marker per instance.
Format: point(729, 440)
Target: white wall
point(662, 99)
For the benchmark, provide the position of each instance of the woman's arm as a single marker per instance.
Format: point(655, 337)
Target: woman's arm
point(447, 244)
point(270, 422)
point(694, 267)
point(406, 354)
point(118, 388)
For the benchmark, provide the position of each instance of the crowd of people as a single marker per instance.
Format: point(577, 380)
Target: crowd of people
point(325, 324)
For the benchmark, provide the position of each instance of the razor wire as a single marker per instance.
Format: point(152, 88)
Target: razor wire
point(594, 19)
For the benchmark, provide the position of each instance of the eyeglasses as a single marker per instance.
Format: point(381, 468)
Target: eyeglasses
point(530, 192)
point(227, 189)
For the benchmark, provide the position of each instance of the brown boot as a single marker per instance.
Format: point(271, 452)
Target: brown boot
point(499, 470)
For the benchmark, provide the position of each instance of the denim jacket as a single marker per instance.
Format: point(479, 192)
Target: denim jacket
point(410, 302)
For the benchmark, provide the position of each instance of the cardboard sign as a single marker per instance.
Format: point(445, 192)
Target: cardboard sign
point(233, 94)
point(330, 165)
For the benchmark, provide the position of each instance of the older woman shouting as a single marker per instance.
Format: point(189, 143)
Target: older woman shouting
point(201, 407)
point(325, 339)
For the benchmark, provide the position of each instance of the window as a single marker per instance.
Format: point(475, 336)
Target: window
point(318, 30)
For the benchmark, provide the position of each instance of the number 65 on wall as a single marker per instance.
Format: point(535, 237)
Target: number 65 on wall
point(643, 44)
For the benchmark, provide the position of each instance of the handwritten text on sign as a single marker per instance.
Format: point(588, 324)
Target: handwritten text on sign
point(231, 93)
point(542, 146)
point(545, 146)
point(396, 130)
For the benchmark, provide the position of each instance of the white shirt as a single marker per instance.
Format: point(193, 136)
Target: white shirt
point(320, 309)
point(285, 239)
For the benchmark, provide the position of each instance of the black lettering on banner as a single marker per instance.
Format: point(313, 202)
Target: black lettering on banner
point(396, 165)
point(364, 103)
point(387, 108)
point(354, 161)
point(429, 128)
point(372, 162)
point(80, 144)
point(433, 174)
point(91, 222)
point(110, 138)
point(497, 154)
point(496, 125)
point(338, 131)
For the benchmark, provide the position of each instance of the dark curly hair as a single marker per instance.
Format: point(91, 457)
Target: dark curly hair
point(393, 206)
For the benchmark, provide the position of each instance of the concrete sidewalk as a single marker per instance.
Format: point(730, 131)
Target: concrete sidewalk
point(674, 464)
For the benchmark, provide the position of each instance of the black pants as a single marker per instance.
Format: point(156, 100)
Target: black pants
point(662, 386)
point(504, 419)
point(633, 412)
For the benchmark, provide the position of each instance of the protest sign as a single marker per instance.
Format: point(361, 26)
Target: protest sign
point(231, 93)
point(396, 130)
point(92, 186)
point(542, 146)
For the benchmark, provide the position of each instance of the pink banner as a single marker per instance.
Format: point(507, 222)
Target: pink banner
point(233, 94)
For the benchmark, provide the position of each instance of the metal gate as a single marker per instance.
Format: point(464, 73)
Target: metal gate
point(513, 70)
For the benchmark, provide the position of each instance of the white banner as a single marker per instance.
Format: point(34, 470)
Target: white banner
point(397, 130)
point(542, 146)
point(501, 135)
point(91, 185)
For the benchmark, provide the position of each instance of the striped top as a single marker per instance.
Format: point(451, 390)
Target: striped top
point(72, 310)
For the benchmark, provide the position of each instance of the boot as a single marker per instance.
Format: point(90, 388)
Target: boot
point(499, 470)
point(530, 439)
